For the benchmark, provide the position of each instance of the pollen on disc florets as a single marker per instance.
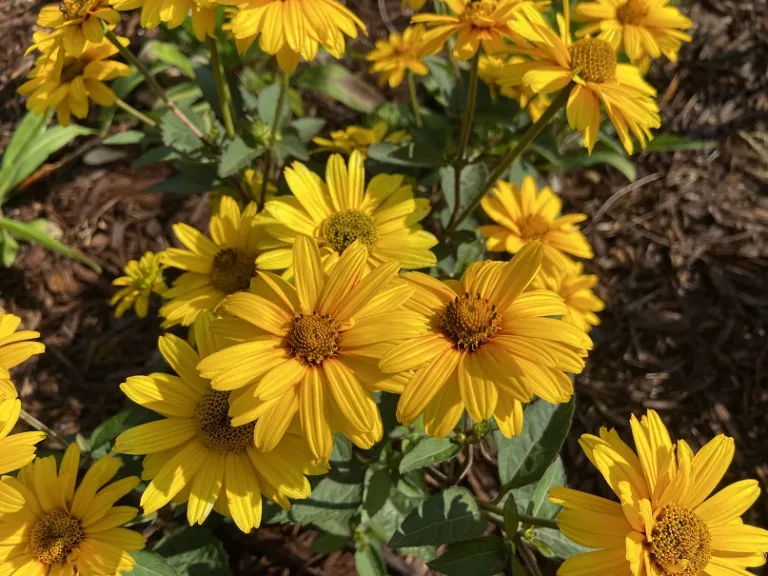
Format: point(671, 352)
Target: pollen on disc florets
point(233, 270)
point(633, 11)
point(343, 228)
point(680, 543)
point(71, 8)
point(54, 536)
point(596, 59)
point(214, 426)
point(470, 321)
point(314, 337)
point(479, 13)
point(533, 227)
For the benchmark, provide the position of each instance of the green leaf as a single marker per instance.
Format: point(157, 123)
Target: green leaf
point(440, 81)
point(151, 564)
point(472, 182)
point(268, 100)
point(368, 560)
point(191, 178)
point(582, 160)
point(30, 127)
point(377, 485)
point(236, 156)
point(307, 128)
point(560, 546)
point(291, 146)
point(9, 250)
point(407, 154)
point(175, 133)
point(172, 55)
point(127, 137)
point(449, 516)
point(429, 451)
point(468, 253)
point(540, 505)
point(511, 516)
point(329, 543)
point(523, 459)
point(336, 82)
point(112, 427)
point(102, 155)
point(154, 156)
point(675, 142)
point(195, 551)
point(31, 233)
point(480, 557)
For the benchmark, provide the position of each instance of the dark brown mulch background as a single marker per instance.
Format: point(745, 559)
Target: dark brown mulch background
point(682, 255)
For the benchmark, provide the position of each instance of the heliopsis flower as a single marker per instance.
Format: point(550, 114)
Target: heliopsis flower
point(64, 529)
point(575, 288)
point(400, 53)
point(16, 347)
point(490, 347)
point(384, 218)
point(65, 83)
point(591, 64)
point(16, 450)
point(666, 521)
point(359, 138)
point(313, 349)
point(289, 29)
point(490, 69)
point(76, 22)
point(643, 28)
point(142, 279)
point(195, 455)
point(523, 216)
point(173, 13)
point(214, 267)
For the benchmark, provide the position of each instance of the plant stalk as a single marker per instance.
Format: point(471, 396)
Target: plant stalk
point(124, 106)
point(270, 155)
point(524, 518)
point(222, 88)
point(414, 100)
point(37, 425)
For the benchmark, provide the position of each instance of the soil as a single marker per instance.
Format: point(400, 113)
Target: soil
point(682, 255)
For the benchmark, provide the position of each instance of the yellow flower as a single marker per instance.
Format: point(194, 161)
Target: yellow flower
point(254, 180)
point(76, 22)
point(666, 522)
point(15, 347)
point(64, 529)
point(289, 29)
point(575, 288)
point(173, 13)
point(143, 278)
point(524, 216)
point(313, 349)
point(415, 5)
point(643, 28)
point(488, 348)
point(359, 138)
point(391, 58)
point(195, 455)
point(491, 68)
point(65, 83)
point(384, 218)
point(16, 450)
point(591, 64)
point(215, 267)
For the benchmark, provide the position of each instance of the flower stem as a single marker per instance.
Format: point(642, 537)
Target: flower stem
point(270, 155)
point(414, 100)
point(222, 88)
point(529, 136)
point(37, 425)
point(524, 518)
point(135, 113)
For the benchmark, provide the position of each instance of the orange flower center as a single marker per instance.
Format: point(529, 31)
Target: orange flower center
point(214, 426)
point(633, 11)
point(533, 227)
point(596, 60)
point(479, 14)
point(232, 270)
point(314, 337)
point(54, 536)
point(680, 542)
point(470, 321)
point(343, 228)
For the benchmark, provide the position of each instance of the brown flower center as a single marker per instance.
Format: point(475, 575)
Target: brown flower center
point(680, 542)
point(54, 536)
point(214, 426)
point(533, 227)
point(233, 270)
point(595, 58)
point(71, 8)
point(72, 68)
point(343, 228)
point(314, 337)
point(633, 11)
point(470, 321)
point(480, 13)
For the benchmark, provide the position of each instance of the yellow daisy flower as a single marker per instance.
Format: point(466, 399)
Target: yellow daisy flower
point(64, 530)
point(415, 5)
point(359, 138)
point(491, 68)
point(523, 216)
point(313, 349)
point(289, 29)
point(214, 267)
point(384, 218)
point(76, 22)
point(66, 83)
point(575, 288)
point(16, 347)
point(643, 28)
point(489, 347)
point(173, 13)
point(195, 455)
point(666, 522)
point(400, 53)
point(143, 278)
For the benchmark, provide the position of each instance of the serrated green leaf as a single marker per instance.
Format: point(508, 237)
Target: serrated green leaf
point(195, 551)
point(291, 146)
point(427, 452)
point(236, 156)
point(123, 138)
point(675, 142)
point(307, 128)
point(480, 557)
point(268, 100)
point(151, 564)
point(540, 505)
point(377, 485)
point(336, 82)
point(560, 546)
point(175, 133)
point(368, 560)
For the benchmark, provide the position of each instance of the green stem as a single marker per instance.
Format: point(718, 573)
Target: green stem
point(414, 99)
point(504, 164)
point(524, 518)
point(270, 155)
point(135, 113)
point(222, 88)
point(37, 425)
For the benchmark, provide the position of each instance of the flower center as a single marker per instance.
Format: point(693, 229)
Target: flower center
point(233, 270)
point(479, 13)
point(633, 11)
point(596, 59)
point(214, 426)
point(314, 337)
point(71, 69)
point(71, 8)
point(54, 536)
point(470, 321)
point(343, 228)
point(680, 542)
point(533, 227)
